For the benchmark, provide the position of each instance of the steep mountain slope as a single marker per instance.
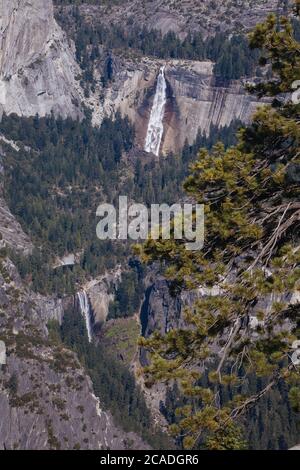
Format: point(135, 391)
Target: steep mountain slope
point(179, 16)
point(39, 74)
point(37, 64)
point(46, 398)
point(195, 99)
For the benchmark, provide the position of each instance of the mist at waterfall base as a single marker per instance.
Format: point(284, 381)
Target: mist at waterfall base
point(86, 313)
point(155, 126)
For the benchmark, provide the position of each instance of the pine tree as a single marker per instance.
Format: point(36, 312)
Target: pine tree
point(251, 196)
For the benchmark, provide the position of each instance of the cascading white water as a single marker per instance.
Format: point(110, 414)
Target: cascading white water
point(86, 312)
point(155, 126)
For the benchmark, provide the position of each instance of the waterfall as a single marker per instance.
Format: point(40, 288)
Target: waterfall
point(155, 127)
point(86, 312)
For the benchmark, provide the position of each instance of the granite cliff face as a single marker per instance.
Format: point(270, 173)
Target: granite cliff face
point(163, 311)
point(37, 64)
point(51, 403)
point(160, 311)
point(46, 397)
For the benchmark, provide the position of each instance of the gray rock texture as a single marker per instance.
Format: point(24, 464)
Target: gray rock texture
point(37, 64)
point(11, 232)
point(53, 407)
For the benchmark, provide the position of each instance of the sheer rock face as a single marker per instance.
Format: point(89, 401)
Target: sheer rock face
point(161, 311)
point(37, 63)
point(49, 406)
point(195, 100)
point(100, 294)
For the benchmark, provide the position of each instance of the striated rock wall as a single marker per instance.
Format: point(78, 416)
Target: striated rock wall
point(37, 63)
point(195, 99)
point(201, 101)
point(100, 293)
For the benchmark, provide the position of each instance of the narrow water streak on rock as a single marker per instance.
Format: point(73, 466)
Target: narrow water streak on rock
point(86, 312)
point(155, 126)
